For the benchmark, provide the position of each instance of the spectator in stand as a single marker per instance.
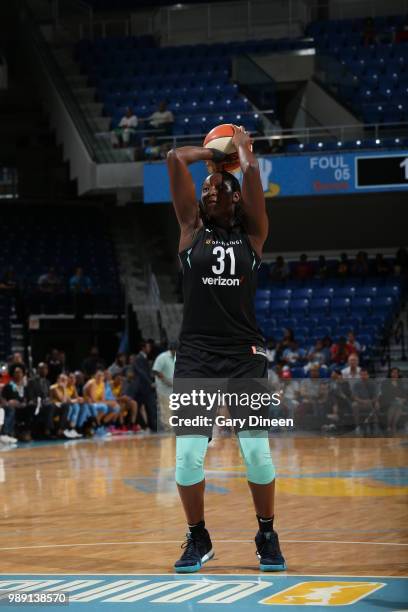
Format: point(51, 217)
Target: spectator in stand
point(17, 359)
point(286, 342)
point(4, 376)
point(49, 282)
point(279, 270)
point(369, 33)
point(360, 267)
point(165, 147)
point(293, 356)
point(55, 365)
point(152, 149)
point(114, 405)
point(394, 400)
point(129, 407)
point(120, 136)
point(77, 413)
point(93, 362)
point(271, 351)
point(352, 371)
point(162, 119)
point(163, 370)
point(38, 395)
point(79, 283)
point(118, 365)
point(102, 411)
point(352, 344)
point(132, 387)
point(79, 382)
point(365, 403)
point(339, 402)
point(313, 397)
point(322, 270)
point(142, 368)
point(340, 352)
point(343, 268)
point(18, 414)
point(318, 355)
point(62, 408)
point(381, 266)
point(304, 269)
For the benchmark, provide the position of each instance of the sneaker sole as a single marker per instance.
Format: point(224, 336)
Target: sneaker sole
point(273, 568)
point(190, 569)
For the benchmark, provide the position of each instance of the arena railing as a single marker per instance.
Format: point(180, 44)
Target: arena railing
point(221, 21)
point(342, 134)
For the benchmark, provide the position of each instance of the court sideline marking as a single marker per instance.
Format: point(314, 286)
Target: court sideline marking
point(36, 546)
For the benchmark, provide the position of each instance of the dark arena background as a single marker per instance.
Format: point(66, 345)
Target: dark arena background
point(93, 95)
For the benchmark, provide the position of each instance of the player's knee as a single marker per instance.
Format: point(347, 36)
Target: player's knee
point(190, 454)
point(258, 460)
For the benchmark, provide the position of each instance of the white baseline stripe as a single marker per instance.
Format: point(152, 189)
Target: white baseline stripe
point(201, 575)
point(38, 546)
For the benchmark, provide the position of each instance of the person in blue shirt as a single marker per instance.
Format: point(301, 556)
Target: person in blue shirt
point(79, 283)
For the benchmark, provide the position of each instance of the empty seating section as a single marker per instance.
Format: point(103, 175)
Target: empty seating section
point(194, 79)
point(378, 87)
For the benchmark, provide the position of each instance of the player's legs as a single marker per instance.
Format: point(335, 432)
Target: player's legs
point(255, 450)
point(190, 455)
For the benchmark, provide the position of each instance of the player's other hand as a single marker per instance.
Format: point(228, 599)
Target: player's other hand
point(241, 137)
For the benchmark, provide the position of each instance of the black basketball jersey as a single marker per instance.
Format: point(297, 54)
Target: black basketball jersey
point(219, 283)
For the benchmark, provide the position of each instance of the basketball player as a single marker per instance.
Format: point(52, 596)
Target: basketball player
point(221, 237)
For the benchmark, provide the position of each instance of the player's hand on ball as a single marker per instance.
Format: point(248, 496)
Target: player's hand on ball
point(211, 167)
point(241, 137)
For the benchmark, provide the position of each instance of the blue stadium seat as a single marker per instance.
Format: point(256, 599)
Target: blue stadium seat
point(347, 291)
point(281, 294)
point(323, 292)
point(262, 294)
point(382, 303)
point(299, 306)
point(279, 306)
point(341, 305)
point(303, 292)
point(319, 305)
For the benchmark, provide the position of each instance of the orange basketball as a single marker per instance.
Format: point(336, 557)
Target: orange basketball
point(220, 138)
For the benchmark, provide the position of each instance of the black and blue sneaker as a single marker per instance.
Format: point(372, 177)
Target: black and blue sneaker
point(198, 550)
point(268, 552)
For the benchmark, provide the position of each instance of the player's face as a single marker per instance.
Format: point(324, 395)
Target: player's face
point(218, 197)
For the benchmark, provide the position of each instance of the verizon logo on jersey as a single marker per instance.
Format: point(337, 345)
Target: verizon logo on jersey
point(230, 282)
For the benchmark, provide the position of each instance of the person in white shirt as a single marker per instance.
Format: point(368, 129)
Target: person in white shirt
point(352, 372)
point(120, 136)
point(163, 370)
point(162, 119)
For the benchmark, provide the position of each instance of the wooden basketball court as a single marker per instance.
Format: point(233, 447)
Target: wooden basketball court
point(110, 507)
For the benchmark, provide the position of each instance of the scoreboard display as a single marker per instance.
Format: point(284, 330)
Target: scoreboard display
point(382, 171)
point(316, 174)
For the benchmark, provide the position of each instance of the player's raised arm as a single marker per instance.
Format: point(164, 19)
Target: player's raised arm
point(253, 200)
point(182, 184)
